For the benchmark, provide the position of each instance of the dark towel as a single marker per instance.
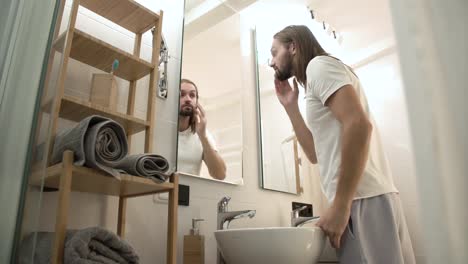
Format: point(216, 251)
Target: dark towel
point(151, 166)
point(87, 246)
point(97, 142)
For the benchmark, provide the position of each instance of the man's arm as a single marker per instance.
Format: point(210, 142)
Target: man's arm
point(288, 98)
point(356, 135)
point(213, 160)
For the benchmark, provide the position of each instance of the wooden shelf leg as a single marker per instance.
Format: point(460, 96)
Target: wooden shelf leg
point(122, 216)
point(152, 90)
point(132, 88)
point(172, 221)
point(62, 208)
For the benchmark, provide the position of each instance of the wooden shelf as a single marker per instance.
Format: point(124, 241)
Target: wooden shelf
point(76, 110)
point(66, 177)
point(94, 52)
point(125, 13)
point(93, 181)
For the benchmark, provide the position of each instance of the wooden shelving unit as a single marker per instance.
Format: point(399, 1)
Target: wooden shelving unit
point(128, 14)
point(93, 181)
point(100, 55)
point(78, 45)
point(75, 109)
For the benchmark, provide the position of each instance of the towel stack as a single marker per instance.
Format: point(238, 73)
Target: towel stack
point(101, 143)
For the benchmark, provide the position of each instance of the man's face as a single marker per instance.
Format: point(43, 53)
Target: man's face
point(281, 60)
point(188, 99)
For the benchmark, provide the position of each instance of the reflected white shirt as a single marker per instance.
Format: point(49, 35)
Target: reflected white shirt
point(190, 151)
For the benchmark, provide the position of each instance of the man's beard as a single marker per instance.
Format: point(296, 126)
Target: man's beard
point(286, 73)
point(185, 111)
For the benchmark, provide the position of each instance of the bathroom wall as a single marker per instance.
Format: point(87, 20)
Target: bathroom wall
point(368, 46)
point(382, 82)
point(434, 69)
point(147, 216)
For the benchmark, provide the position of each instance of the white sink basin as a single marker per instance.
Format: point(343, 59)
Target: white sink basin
point(274, 245)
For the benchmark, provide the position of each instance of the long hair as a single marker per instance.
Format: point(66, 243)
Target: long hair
point(307, 48)
point(192, 120)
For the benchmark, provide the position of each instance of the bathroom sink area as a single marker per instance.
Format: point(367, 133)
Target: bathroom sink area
point(273, 245)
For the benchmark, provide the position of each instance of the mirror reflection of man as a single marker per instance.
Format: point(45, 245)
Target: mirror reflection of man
point(195, 142)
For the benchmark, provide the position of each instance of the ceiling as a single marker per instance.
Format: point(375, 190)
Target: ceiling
point(365, 24)
point(190, 4)
point(212, 36)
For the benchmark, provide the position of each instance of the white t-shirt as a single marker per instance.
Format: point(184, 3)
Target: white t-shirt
point(190, 151)
point(326, 75)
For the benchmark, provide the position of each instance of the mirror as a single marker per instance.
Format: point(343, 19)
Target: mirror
point(280, 156)
point(280, 160)
point(210, 93)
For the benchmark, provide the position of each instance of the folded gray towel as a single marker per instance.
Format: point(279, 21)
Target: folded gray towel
point(87, 246)
point(97, 142)
point(151, 166)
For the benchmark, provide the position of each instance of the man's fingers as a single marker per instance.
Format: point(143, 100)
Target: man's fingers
point(202, 112)
point(334, 240)
point(295, 83)
point(319, 223)
point(337, 239)
point(296, 89)
point(331, 242)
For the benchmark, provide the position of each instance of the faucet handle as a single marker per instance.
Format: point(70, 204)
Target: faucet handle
point(223, 204)
point(295, 212)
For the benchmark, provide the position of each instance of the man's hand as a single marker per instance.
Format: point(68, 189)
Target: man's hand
point(286, 94)
point(201, 121)
point(334, 222)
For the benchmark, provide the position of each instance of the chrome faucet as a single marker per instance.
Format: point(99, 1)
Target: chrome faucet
point(225, 217)
point(297, 221)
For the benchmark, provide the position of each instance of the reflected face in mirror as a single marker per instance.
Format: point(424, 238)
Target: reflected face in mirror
point(195, 143)
point(188, 105)
point(282, 59)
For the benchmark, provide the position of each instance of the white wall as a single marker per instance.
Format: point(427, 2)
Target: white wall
point(381, 79)
point(147, 216)
point(144, 219)
point(371, 50)
point(432, 41)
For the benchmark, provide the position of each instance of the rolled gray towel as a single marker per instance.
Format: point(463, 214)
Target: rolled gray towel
point(97, 142)
point(151, 166)
point(89, 245)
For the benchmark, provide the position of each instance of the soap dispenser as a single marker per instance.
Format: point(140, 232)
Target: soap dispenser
point(194, 245)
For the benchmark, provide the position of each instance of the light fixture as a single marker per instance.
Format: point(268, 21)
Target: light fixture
point(329, 30)
point(340, 39)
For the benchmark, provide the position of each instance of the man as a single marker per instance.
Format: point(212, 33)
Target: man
point(195, 148)
point(365, 220)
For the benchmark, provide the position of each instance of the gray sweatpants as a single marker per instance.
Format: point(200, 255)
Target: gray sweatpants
point(377, 233)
